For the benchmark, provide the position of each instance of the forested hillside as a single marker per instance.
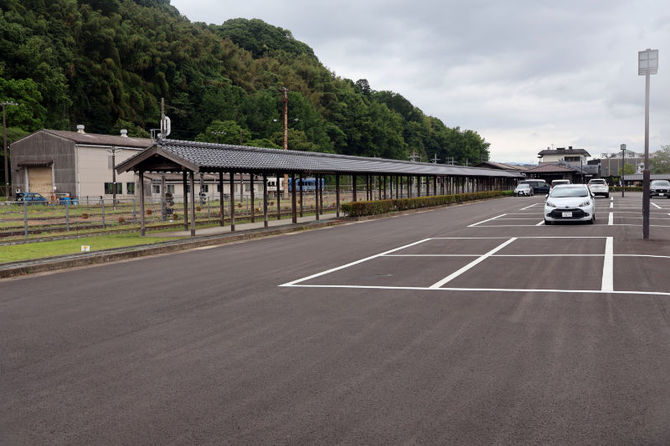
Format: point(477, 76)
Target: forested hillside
point(107, 63)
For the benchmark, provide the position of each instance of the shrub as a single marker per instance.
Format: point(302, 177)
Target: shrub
point(376, 207)
point(122, 220)
point(149, 212)
point(84, 215)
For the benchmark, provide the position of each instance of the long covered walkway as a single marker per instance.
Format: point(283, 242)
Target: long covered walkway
point(381, 178)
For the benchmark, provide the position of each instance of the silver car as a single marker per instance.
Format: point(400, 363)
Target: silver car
point(660, 188)
point(598, 186)
point(523, 189)
point(570, 202)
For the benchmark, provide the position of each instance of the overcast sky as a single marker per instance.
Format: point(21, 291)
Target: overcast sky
point(526, 75)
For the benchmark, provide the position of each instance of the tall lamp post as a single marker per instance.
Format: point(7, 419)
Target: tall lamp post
point(4, 136)
point(623, 168)
point(647, 64)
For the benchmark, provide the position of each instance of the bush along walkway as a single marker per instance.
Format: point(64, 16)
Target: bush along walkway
point(376, 207)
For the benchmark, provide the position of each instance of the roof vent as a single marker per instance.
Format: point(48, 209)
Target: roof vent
point(124, 133)
point(80, 128)
point(569, 147)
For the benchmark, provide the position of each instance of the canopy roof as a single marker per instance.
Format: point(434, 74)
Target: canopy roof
point(176, 156)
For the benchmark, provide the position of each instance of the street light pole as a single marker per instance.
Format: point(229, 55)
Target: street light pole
point(647, 65)
point(4, 136)
point(285, 100)
point(623, 168)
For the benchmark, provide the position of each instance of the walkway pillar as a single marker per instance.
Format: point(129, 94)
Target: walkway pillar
point(354, 195)
point(294, 214)
point(232, 201)
point(278, 197)
point(253, 197)
point(316, 195)
point(142, 212)
point(221, 197)
point(265, 200)
point(301, 188)
point(192, 184)
point(337, 196)
point(185, 189)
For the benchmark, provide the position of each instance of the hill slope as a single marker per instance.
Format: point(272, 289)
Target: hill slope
point(107, 63)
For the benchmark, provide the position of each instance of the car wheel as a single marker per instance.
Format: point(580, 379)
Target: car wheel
point(607, 195)
point(547, 222)
point(593, 220)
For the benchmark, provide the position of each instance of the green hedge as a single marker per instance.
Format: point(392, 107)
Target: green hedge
point(628, 188)
point(376, 207)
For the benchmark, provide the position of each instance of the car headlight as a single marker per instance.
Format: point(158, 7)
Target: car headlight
point(549, 204)
point(585, 203)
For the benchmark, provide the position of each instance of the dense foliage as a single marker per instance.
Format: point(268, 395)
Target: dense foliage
point(107, 63)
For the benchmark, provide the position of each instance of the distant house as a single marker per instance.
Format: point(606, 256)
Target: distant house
point(76, 163)
point(562, 163)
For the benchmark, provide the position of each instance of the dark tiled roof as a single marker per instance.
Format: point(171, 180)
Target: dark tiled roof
point(102, 140)
point(551, 167)
point(565, 152)
point(208, 157)
point(502, 166)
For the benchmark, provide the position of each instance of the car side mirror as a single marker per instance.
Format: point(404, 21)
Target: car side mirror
point(546, 196)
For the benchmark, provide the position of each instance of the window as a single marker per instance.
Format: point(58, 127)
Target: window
point(204, 188)
point(218, 188)
point(109, 188)
point(130, 188)
point(170, 189)
point(155, 189)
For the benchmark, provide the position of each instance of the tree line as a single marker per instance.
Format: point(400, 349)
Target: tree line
point(107, 63)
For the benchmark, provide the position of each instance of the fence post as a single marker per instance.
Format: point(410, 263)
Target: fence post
point(134, 210)
point(25, 218)
point(102, 204)
point(67, 215)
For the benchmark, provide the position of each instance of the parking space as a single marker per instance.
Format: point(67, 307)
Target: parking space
point(513, 251)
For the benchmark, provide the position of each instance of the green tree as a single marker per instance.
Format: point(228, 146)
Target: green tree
point(660, 162)
point(224, 132)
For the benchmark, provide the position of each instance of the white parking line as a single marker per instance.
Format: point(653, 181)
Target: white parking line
point(657, 206)
point(540, 223)
point(528, 207)
point(492, 290)
point(484, 221)
point(323, 273)
point(472, 264)
point(612, 205)
point(610, 221)
point(607, 283)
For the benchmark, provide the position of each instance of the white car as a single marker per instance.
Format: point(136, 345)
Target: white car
point(598, 186)
point(570, 202)
point(524, 189)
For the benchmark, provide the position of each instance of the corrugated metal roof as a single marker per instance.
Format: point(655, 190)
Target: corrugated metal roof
point(102, 140)
point(208, 157)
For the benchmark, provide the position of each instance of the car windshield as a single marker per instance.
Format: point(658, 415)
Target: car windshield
point(597, 182)
point(566, 191)
point(664, 183)
point(524, 186)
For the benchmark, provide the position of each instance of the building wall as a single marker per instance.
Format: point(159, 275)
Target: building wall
point(95, 169)
point(46, 149)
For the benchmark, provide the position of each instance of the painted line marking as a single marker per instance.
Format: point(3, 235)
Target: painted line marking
point(528, 207)
point(323, 273)
point(540, 223)
point(612, 205)
point(522, 237)
point(472, 264)
point(610, 221)
point(496, 290)
point(607, 283)
point(657, 206)
point(484, 221)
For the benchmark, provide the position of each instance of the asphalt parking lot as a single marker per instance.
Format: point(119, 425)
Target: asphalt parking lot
point(472, 324)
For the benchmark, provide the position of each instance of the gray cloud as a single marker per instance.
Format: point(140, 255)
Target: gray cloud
point(524, 74)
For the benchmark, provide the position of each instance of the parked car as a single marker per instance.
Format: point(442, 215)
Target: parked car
point(555, 183)
point(598, 186)
point(31, 198)
point(523, 189)
point(659, 188)
point(570, 202)
point(539, 186)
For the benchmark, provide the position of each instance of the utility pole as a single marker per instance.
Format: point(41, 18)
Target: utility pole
point(4, 135)
point(623, 168)
point(285, 100)
point(647, 65)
